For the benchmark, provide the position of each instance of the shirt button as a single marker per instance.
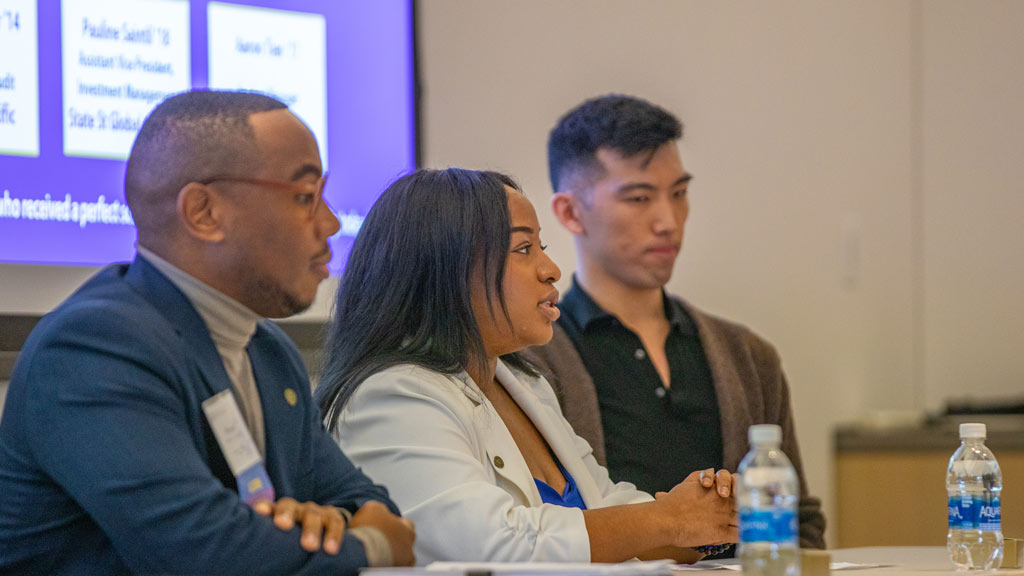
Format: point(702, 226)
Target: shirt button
point(639, 354)
point(498, 462)
point(660, 392)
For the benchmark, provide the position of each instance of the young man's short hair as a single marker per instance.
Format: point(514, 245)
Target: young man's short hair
point(626, 124)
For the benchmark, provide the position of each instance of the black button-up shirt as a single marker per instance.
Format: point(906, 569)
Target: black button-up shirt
point(654, 436)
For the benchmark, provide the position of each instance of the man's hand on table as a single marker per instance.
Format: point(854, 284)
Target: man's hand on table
point(320, 524)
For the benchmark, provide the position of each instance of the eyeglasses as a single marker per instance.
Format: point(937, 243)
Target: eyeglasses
point(308, 194)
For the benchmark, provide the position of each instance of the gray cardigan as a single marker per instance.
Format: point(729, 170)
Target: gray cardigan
point(749, 384)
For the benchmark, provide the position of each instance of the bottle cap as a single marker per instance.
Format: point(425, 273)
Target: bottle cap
point(764, 434)
point(972, 430)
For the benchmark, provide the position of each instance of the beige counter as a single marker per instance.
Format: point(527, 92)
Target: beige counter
point(890, 485)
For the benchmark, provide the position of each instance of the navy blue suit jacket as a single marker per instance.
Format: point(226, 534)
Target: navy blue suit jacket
point(107, 462)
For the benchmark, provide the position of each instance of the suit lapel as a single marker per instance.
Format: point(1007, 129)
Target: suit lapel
point(505, 457)
point(548, 421)
point(502, 452)
point(170, 303)
point(163, 295)
point(283, 408)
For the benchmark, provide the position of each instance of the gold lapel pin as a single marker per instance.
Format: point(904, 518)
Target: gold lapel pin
point(290, 396)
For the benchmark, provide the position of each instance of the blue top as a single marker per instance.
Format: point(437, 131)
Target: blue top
point(570, 498)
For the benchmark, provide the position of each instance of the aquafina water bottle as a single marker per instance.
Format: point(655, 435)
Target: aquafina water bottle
point(767, 495)
point(973, 484)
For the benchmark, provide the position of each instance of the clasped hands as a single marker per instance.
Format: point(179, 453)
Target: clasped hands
point(704, 508)
point(324, 526)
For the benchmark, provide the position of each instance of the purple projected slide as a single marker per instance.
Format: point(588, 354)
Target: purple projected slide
point(77, 78)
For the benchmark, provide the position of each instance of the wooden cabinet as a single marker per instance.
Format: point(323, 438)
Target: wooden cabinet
point(890, 491)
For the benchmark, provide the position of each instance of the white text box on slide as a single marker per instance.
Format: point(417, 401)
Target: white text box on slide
point(277, 52)
point(19, 78)
point(120, 59)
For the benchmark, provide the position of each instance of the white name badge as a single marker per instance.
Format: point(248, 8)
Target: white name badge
point(238, 447)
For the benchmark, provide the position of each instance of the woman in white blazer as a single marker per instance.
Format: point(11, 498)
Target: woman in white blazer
point(423, 389)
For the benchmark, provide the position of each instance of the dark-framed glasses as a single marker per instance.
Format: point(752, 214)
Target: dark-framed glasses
point(307, 194)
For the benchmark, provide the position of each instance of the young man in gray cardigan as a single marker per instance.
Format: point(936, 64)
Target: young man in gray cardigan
point(658, 387)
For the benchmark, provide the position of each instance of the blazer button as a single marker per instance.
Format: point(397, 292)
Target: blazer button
point(498, 462)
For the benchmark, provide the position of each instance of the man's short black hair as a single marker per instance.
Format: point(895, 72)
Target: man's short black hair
point(626, 124)
point(186, 138)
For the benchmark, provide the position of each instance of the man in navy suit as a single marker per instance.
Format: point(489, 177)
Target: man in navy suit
point(117, 453)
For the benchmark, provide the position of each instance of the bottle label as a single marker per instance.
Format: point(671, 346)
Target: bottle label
point(969, 513)
point(767, 525)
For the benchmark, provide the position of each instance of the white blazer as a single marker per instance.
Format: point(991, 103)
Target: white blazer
point(451, 465)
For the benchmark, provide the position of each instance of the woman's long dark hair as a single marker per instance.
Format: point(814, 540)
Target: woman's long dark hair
point(405, 295)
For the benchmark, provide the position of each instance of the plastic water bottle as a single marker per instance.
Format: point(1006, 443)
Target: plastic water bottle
point(973, 484)
point(767, 494)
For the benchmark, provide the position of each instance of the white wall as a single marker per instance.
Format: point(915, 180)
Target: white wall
point(973, 190)
point(26, 289)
